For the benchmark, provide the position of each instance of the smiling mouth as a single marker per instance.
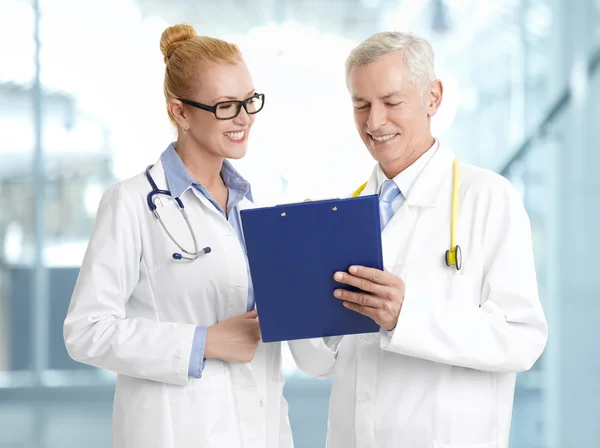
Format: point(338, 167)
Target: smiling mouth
point(383, 138)
point(235, 136)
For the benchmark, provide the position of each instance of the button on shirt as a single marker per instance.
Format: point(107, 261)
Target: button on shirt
point(178, 181)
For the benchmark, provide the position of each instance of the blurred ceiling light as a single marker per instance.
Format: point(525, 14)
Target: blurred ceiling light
point(538, 18)
point(64, 253)
point(13, 242)
point(579, 81)
point(93, 195)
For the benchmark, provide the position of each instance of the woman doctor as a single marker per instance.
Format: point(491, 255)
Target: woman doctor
point(164, 297)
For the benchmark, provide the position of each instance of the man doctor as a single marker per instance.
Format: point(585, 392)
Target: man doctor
point(441, 372)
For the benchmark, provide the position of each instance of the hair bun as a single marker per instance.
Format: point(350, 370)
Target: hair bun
point(174, 36)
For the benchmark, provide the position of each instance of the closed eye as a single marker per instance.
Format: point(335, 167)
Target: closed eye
point(227, 105)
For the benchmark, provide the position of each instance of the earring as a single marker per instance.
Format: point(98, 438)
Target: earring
point(185, 131)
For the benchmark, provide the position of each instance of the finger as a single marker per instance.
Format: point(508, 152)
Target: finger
point(378, 276)
point(364, 310)
point(360, 298)
point(250, 315)
point(362, 284)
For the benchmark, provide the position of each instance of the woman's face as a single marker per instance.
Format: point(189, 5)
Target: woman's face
point(217, 83)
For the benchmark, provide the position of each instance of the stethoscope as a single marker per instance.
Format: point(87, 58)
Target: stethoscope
point(453, 255)
point(191, 256)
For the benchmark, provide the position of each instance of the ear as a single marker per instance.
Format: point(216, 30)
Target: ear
point(434, 97)
point(179, 113)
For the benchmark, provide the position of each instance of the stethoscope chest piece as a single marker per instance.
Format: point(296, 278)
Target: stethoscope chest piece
point(454, 258)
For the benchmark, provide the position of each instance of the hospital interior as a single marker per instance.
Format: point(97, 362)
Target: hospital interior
point(82, 107)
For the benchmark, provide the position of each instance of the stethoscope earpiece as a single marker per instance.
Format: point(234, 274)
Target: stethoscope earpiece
point(178, 256)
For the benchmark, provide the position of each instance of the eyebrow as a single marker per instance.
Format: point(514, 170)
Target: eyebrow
point(385, 97)
point(233, 97)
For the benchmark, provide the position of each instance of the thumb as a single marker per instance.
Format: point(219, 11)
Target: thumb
point(250, 315)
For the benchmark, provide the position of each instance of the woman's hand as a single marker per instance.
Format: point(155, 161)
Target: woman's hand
point(235, 339)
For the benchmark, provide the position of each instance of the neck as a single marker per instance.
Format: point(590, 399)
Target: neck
point(204, 167)
point(394, 168)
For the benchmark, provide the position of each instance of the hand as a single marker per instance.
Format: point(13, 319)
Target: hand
point(235, 339)
point(381, 297)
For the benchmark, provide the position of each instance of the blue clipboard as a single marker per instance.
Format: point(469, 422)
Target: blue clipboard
point(293, 252)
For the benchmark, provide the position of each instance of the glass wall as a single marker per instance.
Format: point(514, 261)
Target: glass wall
point(81, 107)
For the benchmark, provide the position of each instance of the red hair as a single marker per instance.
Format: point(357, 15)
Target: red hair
point(183, 51)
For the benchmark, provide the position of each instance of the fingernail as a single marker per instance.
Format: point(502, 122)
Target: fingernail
point(337, 293)
point(338, 276)
point(353, 269)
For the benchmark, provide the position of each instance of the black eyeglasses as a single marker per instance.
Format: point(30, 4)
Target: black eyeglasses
point(227, 110)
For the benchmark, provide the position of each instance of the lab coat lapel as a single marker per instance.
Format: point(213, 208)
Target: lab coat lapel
point(427, 192)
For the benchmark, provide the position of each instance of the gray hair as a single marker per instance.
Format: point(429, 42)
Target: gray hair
point(417, 54)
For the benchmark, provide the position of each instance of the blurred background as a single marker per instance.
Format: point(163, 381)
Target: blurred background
point(81, 107)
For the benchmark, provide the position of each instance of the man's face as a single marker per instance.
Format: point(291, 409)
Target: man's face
point(392, 118)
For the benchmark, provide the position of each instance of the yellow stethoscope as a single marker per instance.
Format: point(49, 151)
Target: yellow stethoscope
point(454, 254)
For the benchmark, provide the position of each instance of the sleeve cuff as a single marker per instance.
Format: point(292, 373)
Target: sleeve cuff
point(397, 338)
point(197, 357)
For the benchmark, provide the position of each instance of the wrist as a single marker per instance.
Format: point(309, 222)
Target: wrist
point(211, 346)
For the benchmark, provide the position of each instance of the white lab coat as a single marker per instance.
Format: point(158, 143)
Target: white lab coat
point(445, 377)
point(134, 311)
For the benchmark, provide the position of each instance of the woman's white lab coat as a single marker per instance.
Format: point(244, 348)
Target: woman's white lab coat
point(445, 377)
point(134, 311)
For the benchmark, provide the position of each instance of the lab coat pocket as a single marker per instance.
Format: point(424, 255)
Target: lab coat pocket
point(202, 412)
point(425, 284)
point(466, 409)
point(463, 288)
point(429, 283)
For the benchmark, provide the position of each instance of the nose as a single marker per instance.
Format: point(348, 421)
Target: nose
point(377, 117)
point(243, 119)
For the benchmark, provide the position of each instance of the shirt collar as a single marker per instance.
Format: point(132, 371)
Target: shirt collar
point(179, 178)
point(406, 179)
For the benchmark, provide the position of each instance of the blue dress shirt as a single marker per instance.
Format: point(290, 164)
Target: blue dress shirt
point(178, 181)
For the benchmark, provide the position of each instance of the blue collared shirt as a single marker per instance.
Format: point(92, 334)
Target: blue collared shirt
point(405, 180)
point(178, 181)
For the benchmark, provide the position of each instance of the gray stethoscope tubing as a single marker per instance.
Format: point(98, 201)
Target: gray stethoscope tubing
point(191, 256)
